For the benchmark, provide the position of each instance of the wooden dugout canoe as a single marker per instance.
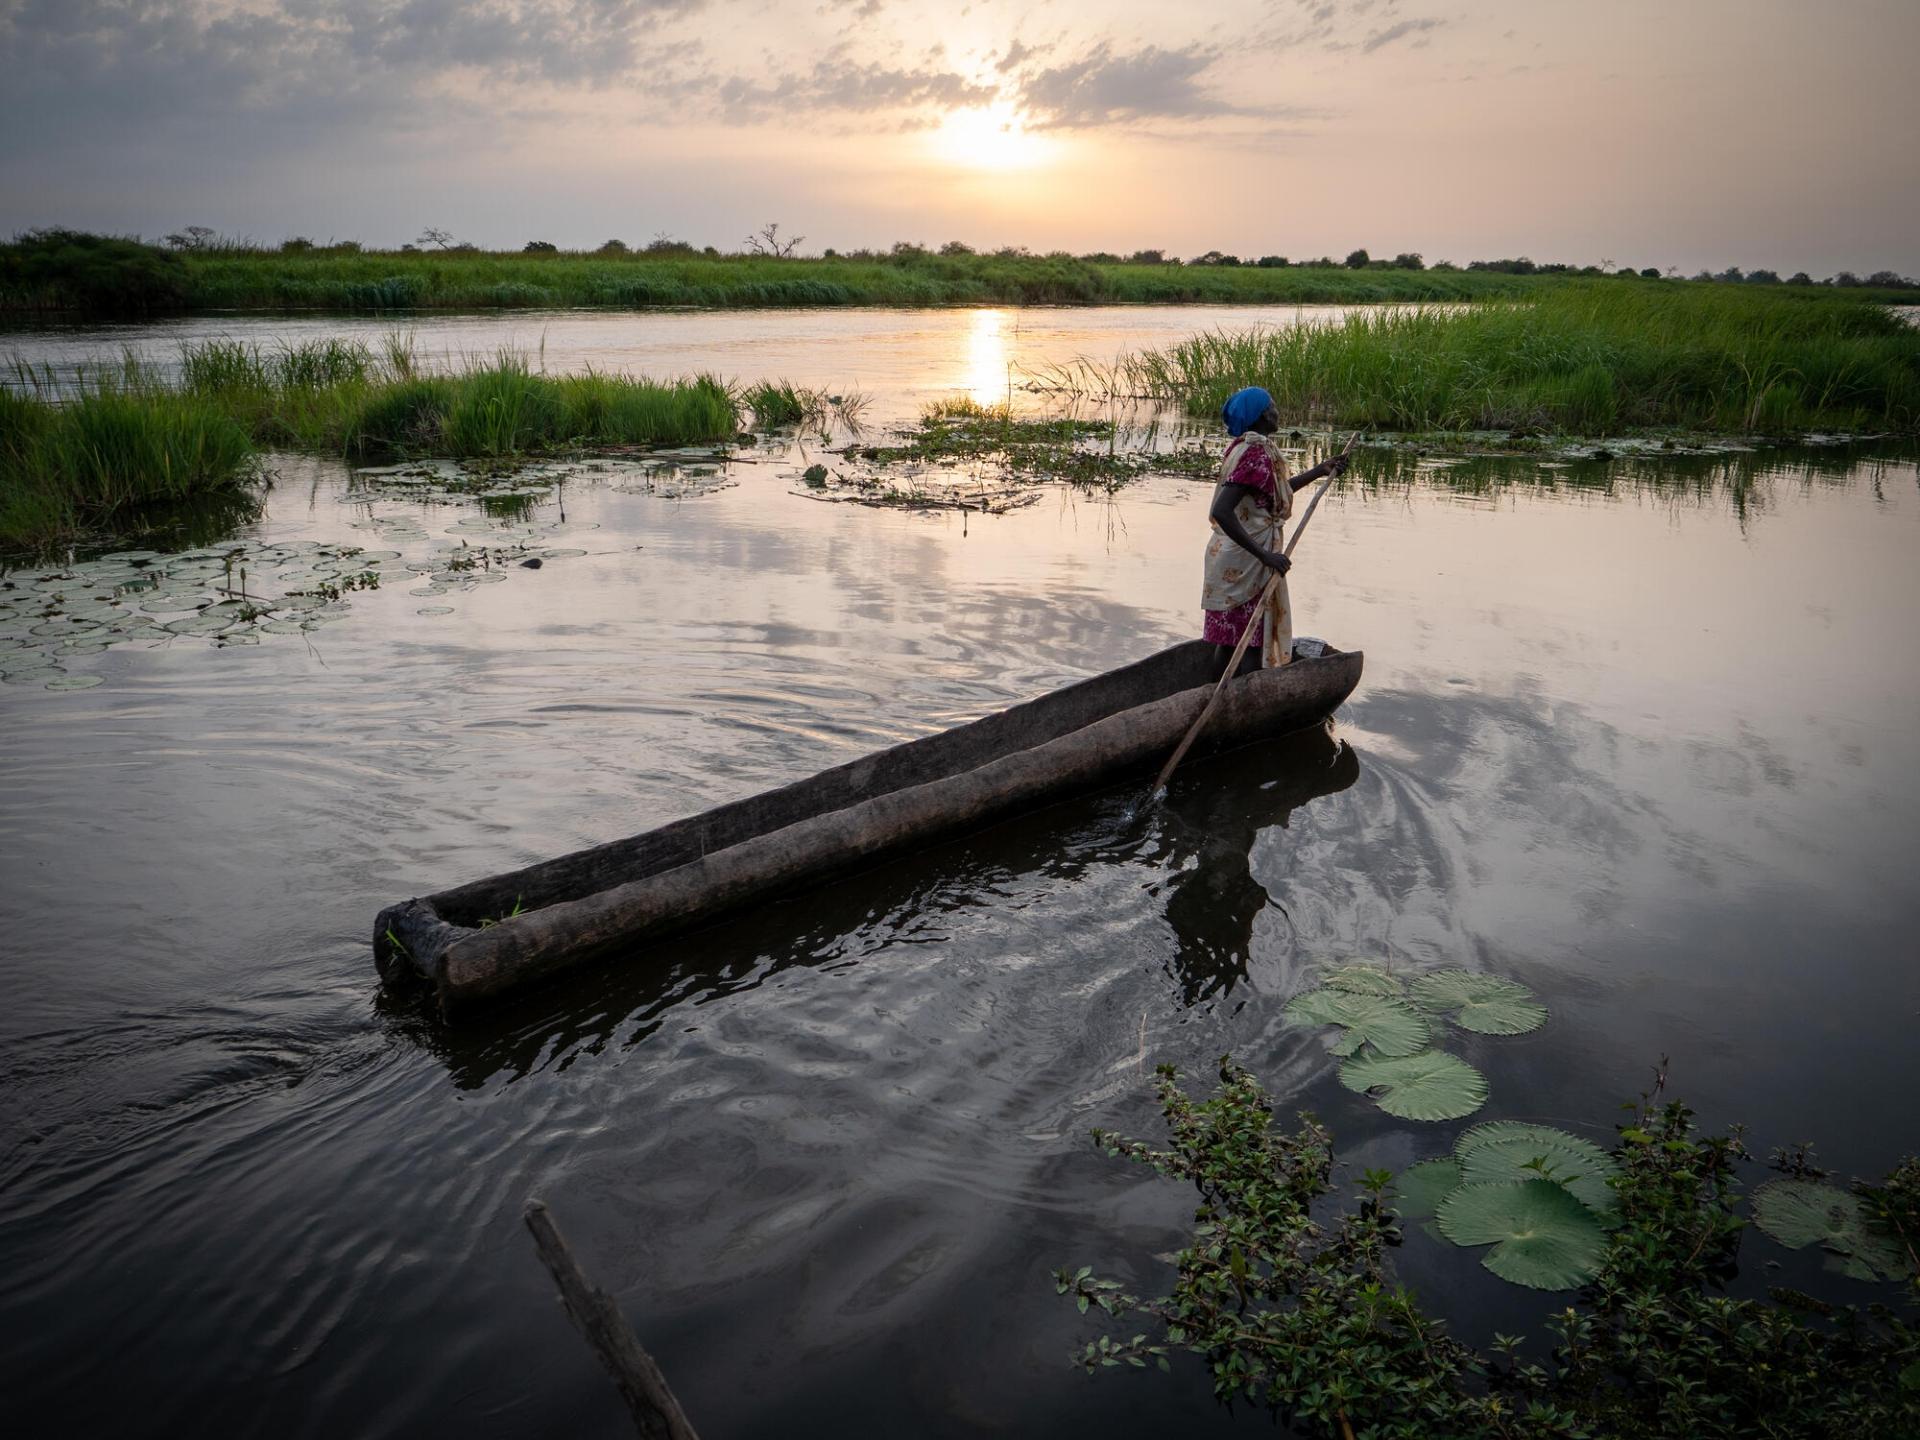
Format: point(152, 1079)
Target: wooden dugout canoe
point(612, 897)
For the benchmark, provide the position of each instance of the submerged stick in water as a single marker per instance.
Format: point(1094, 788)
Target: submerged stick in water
point(656, 1413)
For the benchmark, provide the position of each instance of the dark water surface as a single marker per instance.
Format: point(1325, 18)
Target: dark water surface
point(1649, 751)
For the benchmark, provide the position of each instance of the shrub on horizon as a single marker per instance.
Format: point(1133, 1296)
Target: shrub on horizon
point(105, 274)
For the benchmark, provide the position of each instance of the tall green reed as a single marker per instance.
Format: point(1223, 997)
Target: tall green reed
point(1578, 358)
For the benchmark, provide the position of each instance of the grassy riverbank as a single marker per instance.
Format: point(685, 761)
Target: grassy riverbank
point(71, 272)
point(83, 278)
point(1585, 358)
point(89, 459)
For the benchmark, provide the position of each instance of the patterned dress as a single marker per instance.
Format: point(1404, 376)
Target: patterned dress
point(1234, 578)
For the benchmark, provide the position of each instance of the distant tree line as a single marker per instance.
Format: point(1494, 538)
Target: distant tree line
point(67, 269)
point(768, 243)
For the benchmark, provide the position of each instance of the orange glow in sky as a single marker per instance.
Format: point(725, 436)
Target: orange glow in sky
point(990, 138)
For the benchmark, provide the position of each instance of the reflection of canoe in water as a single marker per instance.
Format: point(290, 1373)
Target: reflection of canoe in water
point(602, 900)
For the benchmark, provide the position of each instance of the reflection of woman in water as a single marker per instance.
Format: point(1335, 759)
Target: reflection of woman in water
point(1214, 900)
point(1250, 507)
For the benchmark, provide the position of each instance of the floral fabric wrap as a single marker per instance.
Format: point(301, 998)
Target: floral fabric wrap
point(1230, 592)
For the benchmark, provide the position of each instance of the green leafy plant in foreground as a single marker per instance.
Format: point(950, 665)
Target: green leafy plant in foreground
point(1296, 1308)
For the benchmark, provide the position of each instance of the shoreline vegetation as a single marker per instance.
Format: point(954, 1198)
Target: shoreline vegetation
point(58, 272)
point(1584, 358)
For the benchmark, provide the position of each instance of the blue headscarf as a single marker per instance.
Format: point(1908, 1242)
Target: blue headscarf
point(1244, 409)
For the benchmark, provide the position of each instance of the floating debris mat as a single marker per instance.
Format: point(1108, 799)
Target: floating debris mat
point(488, 937)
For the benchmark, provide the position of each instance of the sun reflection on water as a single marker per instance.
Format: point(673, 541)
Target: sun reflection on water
point(989, 373)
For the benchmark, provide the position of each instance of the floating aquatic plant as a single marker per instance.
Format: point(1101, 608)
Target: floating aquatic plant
point(1364, 979)
point(1486, 1004)
point(1506, 1150)
point(1365, 1000)
point(1507, 1153)
point(1386, 1024)
point(233, 594)
point(1542, 1236)
point(1431, 1085)
point(1799, 1213)
point(1419, 1189)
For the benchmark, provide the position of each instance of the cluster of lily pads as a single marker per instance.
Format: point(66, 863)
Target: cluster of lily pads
point(505, 486)
point(1542, 1198)
point(234, 594)
point(1388, 1028)
point(51, 617)
point(1539, 1196)
point(1801, 1211)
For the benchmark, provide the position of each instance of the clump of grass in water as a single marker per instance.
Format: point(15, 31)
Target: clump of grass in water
point(1579, 358)
point(79, 455)
point(778, 404)
point(115, 444)
point(341, 396)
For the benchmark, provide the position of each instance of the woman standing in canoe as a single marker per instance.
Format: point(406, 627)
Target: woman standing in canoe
point(1250, 509)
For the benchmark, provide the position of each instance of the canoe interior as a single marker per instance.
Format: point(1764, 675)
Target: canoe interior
point(916, 762)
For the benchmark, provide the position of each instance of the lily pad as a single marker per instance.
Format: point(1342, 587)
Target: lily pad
point(1542, 1236)
point(1419, 1189)
point(1799, 1213)
point(434, 610)
point(199, 625)
point(1485, 1004)
point(73, 682)
point(1507, 1150)
point(1431, 1085)
point(1389, 1026)
point(1363, 979)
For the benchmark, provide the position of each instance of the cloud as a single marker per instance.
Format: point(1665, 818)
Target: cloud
point(840, 83)
point(1102, 88)
point(1379, 39)
point(1017, 53)
point(290, 41)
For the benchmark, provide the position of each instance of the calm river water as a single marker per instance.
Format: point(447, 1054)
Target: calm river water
point(1647, 743)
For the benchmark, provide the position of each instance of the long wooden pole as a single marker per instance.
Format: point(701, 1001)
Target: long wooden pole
point(1257, 622)
point(656, 1413)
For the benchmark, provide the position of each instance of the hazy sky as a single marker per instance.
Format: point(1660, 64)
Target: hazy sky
point(1776, 133)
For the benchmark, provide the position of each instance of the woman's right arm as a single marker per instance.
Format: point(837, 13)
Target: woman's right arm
point(1225, 514)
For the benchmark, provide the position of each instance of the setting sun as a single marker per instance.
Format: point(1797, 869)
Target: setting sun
point(989, 138)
